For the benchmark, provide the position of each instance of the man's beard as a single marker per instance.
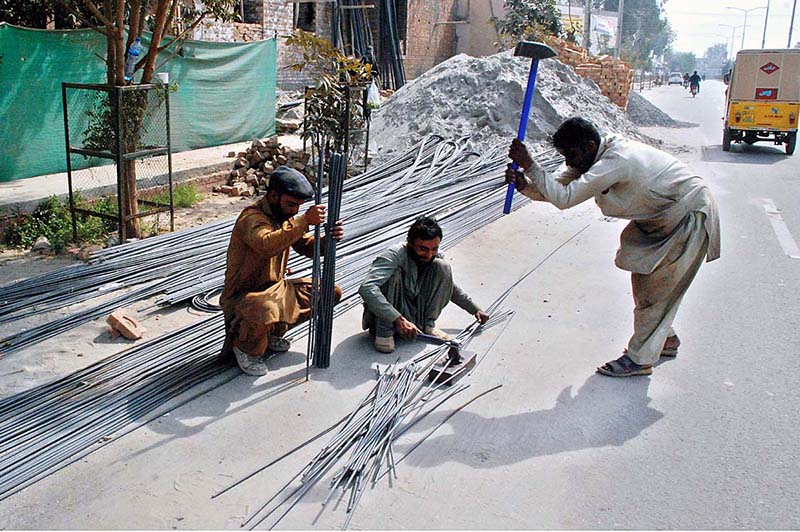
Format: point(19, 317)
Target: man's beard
point(419, 261)
point(277, 212)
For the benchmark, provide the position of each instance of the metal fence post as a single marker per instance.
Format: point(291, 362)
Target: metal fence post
point(69, 163)
point(117, 110)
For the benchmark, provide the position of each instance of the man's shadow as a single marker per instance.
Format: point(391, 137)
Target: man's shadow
point(604, 412)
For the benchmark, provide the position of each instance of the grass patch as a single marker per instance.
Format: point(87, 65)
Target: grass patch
point(52, 219)
point(184, 195)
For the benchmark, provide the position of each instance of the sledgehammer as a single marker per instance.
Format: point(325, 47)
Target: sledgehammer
point(536, 51)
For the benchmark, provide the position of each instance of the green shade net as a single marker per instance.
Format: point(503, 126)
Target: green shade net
point(226, 93)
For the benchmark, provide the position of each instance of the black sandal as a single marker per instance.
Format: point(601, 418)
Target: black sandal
point(624, 367)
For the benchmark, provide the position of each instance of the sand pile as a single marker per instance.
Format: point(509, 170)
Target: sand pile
point(643, 113)
point(482, 98)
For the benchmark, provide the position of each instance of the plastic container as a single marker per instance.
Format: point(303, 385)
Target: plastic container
point(134, 51)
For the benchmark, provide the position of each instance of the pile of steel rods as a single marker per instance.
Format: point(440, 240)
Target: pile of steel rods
point(361, 451)
point(50, 426)
point(47, 427)
point(113, 269)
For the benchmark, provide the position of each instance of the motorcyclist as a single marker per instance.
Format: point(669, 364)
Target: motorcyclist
point(685, 80)
point(694, 82)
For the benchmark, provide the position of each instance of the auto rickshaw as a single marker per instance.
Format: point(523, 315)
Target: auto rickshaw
point(763, 98)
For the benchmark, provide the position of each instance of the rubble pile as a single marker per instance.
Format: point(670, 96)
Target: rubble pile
point(612, 76)
point(289, 112)
point(252, 167)
point(482, 98)
point(645, 114)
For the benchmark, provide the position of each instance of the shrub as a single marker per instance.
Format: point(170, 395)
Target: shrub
point(52, 219)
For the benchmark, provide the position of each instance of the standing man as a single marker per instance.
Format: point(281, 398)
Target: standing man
point(674, 224)
point(408, 286)
point(259, 303)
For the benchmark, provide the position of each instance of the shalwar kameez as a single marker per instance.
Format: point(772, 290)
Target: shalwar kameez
point(674, 226)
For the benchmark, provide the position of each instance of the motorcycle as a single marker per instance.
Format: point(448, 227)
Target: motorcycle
point(694, 89)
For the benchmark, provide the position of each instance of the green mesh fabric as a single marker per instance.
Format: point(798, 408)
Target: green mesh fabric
point(226, 93)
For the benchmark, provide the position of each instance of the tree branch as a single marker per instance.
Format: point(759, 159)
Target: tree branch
point(158, 34)
point(133, 22)
point(185, 32)
point(170, 16)
point(97, 13)
point(120, 15)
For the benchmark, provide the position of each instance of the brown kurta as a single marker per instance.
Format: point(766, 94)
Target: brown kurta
point(257, 296)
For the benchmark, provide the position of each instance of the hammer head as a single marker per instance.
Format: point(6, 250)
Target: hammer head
point(534, 50)
point(454, 351)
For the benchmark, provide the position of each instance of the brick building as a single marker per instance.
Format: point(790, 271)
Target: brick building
point(430, 31)
point(264, 19)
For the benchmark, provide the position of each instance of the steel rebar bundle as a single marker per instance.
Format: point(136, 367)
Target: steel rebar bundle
point(47, 427)
point(323, 329)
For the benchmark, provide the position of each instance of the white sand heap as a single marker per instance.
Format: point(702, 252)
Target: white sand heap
point(482, 97)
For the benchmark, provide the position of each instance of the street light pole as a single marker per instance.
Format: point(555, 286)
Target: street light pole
point(618, 48)
point(746, 11)
point(587, 24)
point(791, 25)
point(733, 36)
point(764, 35)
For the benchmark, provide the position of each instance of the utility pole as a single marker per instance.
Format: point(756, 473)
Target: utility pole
point(791, 25)
point(618, 48)
point(587, 23)
point(746, 11)
point(764, 35)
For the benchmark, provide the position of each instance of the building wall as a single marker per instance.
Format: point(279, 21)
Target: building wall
point(478, 37)
point(429, 41)
point(276, 20)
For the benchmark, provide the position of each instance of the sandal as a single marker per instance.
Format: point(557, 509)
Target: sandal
point(671, 346)
point(624, 367)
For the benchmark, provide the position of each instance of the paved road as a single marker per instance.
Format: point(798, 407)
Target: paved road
point(710, 440)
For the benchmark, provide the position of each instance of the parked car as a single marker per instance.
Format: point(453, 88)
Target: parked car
point(675, 78)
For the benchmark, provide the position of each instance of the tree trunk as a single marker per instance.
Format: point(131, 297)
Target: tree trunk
point(129, 139)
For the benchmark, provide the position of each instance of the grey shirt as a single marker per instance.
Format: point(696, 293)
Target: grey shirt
point(383, 268)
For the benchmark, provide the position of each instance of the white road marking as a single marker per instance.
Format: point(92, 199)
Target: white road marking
point(781, 230)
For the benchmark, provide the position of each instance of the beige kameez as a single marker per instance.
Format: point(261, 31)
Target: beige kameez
point(674, 225)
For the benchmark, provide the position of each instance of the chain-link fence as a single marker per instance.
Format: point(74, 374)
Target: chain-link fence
point(124, 133)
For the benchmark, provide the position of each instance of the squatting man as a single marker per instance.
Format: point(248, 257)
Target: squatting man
point(258, 302)
point(673, 224)
point(408, 286)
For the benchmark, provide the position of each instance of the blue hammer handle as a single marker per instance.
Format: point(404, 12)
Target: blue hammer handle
point(523, 127)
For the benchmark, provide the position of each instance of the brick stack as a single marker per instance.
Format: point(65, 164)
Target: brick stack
point(253, 166)
point(613, 77)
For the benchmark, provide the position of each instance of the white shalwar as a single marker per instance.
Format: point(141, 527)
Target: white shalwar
point(674, 225)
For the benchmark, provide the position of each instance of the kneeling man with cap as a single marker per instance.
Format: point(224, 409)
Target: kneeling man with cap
point(259, 303)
